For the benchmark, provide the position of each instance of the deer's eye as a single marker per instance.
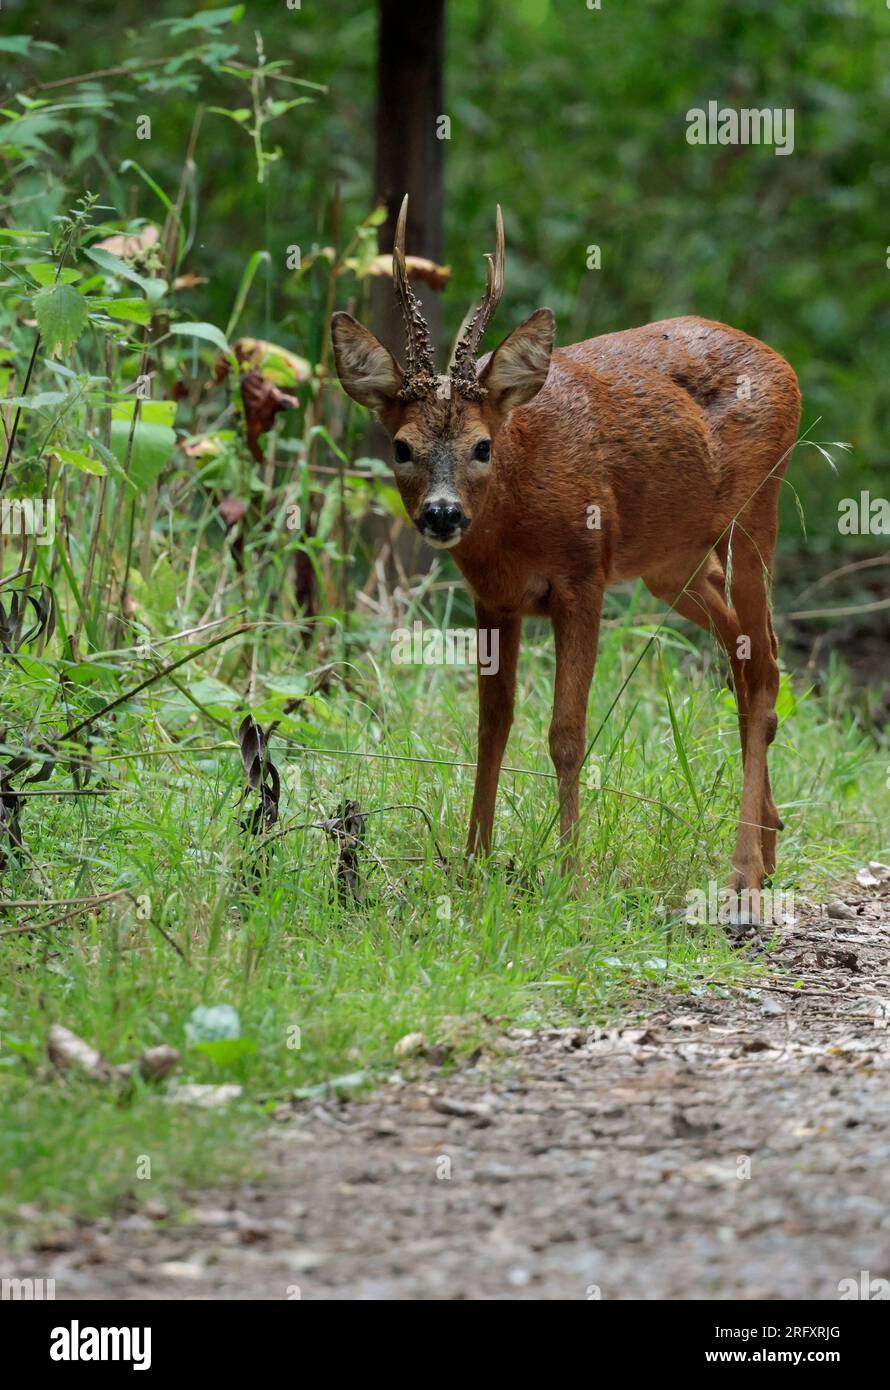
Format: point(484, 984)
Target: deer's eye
point(403, 451)
point(482, 451)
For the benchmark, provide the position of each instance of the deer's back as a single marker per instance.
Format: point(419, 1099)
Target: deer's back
point(668, 429)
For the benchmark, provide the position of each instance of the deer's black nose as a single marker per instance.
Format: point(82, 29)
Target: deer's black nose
point(442, 517)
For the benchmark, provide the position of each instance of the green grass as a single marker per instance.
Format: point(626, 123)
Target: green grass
point(423, 948)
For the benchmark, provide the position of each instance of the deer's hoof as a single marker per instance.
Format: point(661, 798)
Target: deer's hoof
point(746, 906)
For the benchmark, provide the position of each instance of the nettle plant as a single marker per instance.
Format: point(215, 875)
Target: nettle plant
point(159, 471)
point(127, 413)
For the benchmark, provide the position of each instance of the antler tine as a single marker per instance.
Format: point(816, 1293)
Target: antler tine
point(399, 269)
point(495, 287)
point(463, 368)
point(420, 370)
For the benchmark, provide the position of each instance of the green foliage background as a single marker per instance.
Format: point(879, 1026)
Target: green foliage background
point(574, 119)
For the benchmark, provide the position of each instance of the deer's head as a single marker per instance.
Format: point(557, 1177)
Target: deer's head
point(444, 428)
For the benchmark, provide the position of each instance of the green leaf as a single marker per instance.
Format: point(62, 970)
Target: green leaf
point(62, 315)
point(130, 310)
point(215, 694)
point(278, 108)
point(390, 500)
point(205, 19)
point(153, 289)
point(289, 686)
point(16, 234)
point(153, 441)
point(42, 400)
point(226, 1050)
point(44, 272)
point(679, 745)
point(350, 1081)
point(208, 331)
point(786, 703)
point(250, 271)
point(240, 115)
point(21, 43)
point(75, 459)
point(156, 188)
point(109, 459)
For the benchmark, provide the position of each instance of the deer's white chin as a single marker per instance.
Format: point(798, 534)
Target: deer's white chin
point(439, 544)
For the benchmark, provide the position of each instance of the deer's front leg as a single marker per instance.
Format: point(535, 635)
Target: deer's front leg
point(497, 651)
point(576, 623)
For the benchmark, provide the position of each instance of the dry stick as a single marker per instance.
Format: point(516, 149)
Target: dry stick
point(852, 568)
point(202, 709)
point(75, 791)
point(173, 221)
point(100, 509)
point(47, 488)
point(9, 578)
point(151, 503)
point(156, 676)
point(341, 482)
point(77, 904)
point(33, 927)
point(119, 500)
point(518, 771)
point(782, 989)
point(375, 811)
point(386, 477)
point(64, 902)
point(850, 612)
point(408, 806)
point(115, 652)
point(119, 71)
point(169, 242)
point(313, 408)
point(18, 412)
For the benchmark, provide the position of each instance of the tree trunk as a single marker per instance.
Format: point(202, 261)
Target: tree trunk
point(410, 99)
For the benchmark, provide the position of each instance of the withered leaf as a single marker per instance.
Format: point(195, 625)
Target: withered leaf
point(129, 247)
point(261, 775)
point(347, 827)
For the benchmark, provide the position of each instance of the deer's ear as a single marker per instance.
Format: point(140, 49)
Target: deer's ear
point(516, 371)
point(367, 371)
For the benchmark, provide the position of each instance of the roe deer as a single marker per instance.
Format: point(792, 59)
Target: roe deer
point(551, 474)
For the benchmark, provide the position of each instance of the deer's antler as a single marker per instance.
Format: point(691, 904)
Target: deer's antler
point(463, 364)
point(420, 369)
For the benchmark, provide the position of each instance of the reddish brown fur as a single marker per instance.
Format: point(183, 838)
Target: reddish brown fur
point(651, 427)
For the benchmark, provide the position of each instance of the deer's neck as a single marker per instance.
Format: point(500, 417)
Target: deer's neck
point(494, 557)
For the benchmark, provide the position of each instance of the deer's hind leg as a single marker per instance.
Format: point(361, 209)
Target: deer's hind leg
point(760, 557)
point(770, 820)
point(755, 852)
point(702, 600)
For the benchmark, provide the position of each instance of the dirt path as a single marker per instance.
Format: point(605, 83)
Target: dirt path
point(735, 1147)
